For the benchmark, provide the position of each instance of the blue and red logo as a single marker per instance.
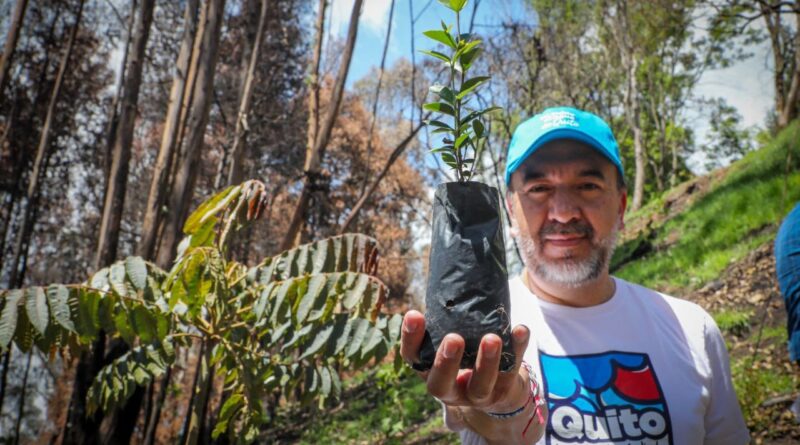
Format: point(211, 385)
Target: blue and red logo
point(608, 398)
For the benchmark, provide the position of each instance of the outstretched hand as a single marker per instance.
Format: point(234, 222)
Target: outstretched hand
point(484, 388)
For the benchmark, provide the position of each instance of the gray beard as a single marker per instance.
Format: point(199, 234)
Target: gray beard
point(568, 271)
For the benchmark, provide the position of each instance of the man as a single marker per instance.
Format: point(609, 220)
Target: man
point(787, 268)
point(617, 363)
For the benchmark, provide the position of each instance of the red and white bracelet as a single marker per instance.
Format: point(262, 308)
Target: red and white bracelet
point(534, 396)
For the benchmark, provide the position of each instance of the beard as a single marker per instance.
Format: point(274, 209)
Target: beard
point(568, 270)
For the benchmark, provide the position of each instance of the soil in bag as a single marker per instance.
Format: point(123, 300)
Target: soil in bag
point(467, 279)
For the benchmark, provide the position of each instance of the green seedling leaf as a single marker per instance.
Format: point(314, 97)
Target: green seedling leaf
point(448, 95)
point(438, 55)
point(450, 160)
point(440, 107)
point(467, 57)
point(461, 139)
point(440, 124)
point(445, 149)
point(466, 46)
point(478, 127)
point(470, 85)
point(441, 37)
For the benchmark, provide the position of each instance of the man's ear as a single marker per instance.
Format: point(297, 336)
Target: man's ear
point(513, 230)
point(509, 203)
point(623, 205)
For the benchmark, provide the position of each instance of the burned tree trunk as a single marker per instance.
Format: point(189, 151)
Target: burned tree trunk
point(11, 43)
point(315, 153)
point(121, 153)
point(172, 126)
point(113, 120)
point(235, 173)
point(186, 174)
point(26, 222)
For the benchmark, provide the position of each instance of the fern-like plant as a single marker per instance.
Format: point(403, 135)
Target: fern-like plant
point(287, 324)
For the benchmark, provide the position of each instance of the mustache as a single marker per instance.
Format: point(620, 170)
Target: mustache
point(570, 228)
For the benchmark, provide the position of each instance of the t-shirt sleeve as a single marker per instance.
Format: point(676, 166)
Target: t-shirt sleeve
point(724, 423)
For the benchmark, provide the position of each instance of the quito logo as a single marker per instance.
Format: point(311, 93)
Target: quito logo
point(608, 398)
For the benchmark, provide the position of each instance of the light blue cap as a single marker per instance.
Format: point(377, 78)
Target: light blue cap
point(561, 123)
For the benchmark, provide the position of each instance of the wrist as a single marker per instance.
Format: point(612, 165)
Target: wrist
point(518, 397)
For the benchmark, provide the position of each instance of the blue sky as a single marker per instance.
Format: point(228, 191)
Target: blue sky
point(375, 20)
point(746, 85)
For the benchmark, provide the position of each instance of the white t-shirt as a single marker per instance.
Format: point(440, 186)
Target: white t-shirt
point(642, 367)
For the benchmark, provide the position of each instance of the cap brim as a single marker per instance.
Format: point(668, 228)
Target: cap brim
point(561, 133)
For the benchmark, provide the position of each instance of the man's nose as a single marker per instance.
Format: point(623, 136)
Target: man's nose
point(563, 206)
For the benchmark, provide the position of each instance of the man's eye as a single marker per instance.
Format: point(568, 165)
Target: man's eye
point(539, 189)
point(589, 186)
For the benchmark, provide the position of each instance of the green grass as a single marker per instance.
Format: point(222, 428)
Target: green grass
point(390, 409)
point(755, 385)
point(739, 213)
point(775, 332)
point(733, 322)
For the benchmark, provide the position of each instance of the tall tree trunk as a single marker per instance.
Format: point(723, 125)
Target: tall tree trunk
point(791, 105)
point(398, 150)
point(172, 125)
point(4, 377)
point(193, 427)
point(155, 415)
point(79, 427)
point(374, 117)
point(26, 223)
point(638, 143)
point(235, 174)
point(8, 205)
point(21, 407)
point(118, 427)
point(11, 43)
point(121, 153)
point(186, 175)
point(313, 85)
point(315, 155)
point(113, 121)
point(621, 29)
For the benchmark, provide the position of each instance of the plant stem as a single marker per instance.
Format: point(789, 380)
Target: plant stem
point(456, 150)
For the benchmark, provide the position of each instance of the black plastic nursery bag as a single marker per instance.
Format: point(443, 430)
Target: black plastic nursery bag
point(467, 276)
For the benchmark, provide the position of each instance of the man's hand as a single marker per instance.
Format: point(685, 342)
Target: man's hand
point(474, 392)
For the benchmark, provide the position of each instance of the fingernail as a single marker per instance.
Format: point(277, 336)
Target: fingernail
point(490, 350)
point(520, 334)
point(450, 349)
point(410, 327)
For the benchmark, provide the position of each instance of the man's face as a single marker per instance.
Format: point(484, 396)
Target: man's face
point(568, 209)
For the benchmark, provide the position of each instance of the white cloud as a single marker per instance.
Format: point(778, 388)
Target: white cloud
point(374, 15)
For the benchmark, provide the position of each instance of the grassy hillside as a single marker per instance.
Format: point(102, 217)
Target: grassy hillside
point(718, 220)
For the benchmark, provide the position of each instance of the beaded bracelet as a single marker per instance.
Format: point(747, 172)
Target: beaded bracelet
point(533, 396)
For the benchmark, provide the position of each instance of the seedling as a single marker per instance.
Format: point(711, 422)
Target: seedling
point(462, 125)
